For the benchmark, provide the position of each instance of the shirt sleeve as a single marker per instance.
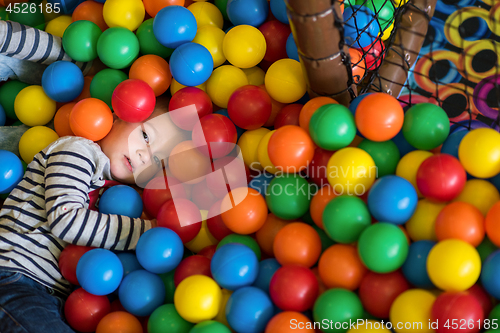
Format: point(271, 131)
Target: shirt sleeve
point(68, 175)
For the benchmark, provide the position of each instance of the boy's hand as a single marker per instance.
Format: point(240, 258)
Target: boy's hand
point(154, 223)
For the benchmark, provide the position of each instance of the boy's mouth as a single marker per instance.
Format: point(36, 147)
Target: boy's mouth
point(128, 163)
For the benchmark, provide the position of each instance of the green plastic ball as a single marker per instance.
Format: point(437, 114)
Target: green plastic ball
point(384, 9)
point(166, 319)
point(385, 154)
point(241, 239)
point(335, 307)
point(222, 5)
point(80, 40)
point(8, 94)
point(4, 16)
point(426, 126)
point(18, 123)
point(168, 281)
point(332, 127)
point(31, 16)
point(210, 326)
point(117, 47)
point(485, 249)
point(104, 83)
point(288, 196)
point(383, 247)
point(148, 43)
point(495, 313)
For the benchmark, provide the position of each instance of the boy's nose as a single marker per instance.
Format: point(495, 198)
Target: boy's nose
point(144, 156)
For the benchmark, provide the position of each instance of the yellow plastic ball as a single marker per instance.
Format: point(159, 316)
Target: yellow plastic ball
point(33, 107)
point(285, 81)
point(244, 46)
point(223, 82)
point(255, 75)
point(204, 237)
point(249, 146)
point(128, 14)
point(479, 152)
point(453, 265)
point(480, 193)
point(221, 316)
point(421, 225)
point(398, 3)
point(206, 13)
point(369, 326)
point(58, 25)
point(408, 166)
point(211, 37)
point(197, 298)
point(176, 86)
point(34, 140)
point(387, 32)
point(411, 311)
point(263, 156)
point(351, 171)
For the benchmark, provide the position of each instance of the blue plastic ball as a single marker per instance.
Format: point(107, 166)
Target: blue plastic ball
point(65, 6)
point(159, 250)
point(490, 273)
point(291, 48)
point(174, 26)
point(403, 146)
point(3, 116)
point(355, 102)
point(234, 266)
point(121, 200)
point(392, 199)
point(267, 268)
point(99, 272)
point(450, 145)
point(11, 171)
point(360, 26)
point(191, 64)
point(250, 12)
point(496, 181)
point(278, 8)
point(129, 262)
point(141, 292)
point(62, 81)
point(415, 267)
point(239, 130)
point(261, 182)
point(248, 310)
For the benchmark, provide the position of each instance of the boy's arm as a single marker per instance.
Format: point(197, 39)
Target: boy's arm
point(68, 176)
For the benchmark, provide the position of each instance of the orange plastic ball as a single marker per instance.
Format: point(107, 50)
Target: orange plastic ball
point(91, 11)
point(319, 202)
point(310, 107)
point(358, 65)
point(290, 322)
point(188, 164)
point(460, 220)
point(91, 118)
point(492, 224)
point(297, 243)
point(266, 234)
point(86, 89)
point(119, 322)
point(154, 6)
point(340, 267)
point(244, 210)
point(290, 149)
point(61, 120)
point(153, 70)
point(379, 117)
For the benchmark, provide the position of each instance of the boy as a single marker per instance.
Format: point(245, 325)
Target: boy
point(50, 208)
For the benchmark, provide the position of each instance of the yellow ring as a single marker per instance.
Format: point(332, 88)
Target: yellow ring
point(494, 17)
point(424, 65)
point(458, 88)
point(464, 65)
point(456, 19)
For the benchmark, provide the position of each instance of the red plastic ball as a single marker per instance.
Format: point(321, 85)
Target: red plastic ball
point(133, 100)
point(215, 224)
point(457, 308)
point(482, 296)
point(288, 115)
point(441, 178)
point(193, 265)
point(84, 311)
point(276, 35)
point(158, 191)
point(215, 132)
point(316, 170)
point(202, 197)
point(228, 173)
point(378, 291)
point(374, 54)
point(208, 251)
point(181, 216)
point(249, 107)
point(68, 260)
point(294, 288)
point(188, 117)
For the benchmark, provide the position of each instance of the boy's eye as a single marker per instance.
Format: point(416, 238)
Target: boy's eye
point(146, 137)
point(157, 160)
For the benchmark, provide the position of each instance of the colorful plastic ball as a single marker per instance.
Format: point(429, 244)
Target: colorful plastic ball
point(453, 305)
point(158, 191)
point(203, 239)
point(174, 26)
point(188, 164)
point(223, 82)
point(265, 236)
point(128, 14)
point(80, 40)
point(413, 306)
point(290, 149)
point(66, 6)
point(263, 156)
point(191, 64)
point(34, 107)
point(212, 38)
point(384, 10)
point(426, 126)
point(242, 239)
point(159, 250)
point(215, 136)
point(30, 16)
point(61, 120)
point(392, 199)
point(360, 26)
point(267, 268)
point(166, 318)
point(374, 54)
point(129, 262)
point(255, 75)
point(480, 193)
point(332, 127)
point(99, 272)
point(278, 8)
point(206, 13)
point(84, 311)
point(68, 260)
point(319, 202)
point(491, 224)
point(403, 145)
point(148, 43)
point(34, 140)
point(8, 93)
point(285, 81)
point(117, 47)
point(181, 216)
point(247, 12)
point(316, 170)
point(379, 117)
point(385, 154)
point(121, 200)
point(133, 100)
point(414, 268)
point(288, 322)
point(409, 164)
point(378, 291)
point(11, 171)
point(452, 143)
point(153, 7)
point(421, 226)
point(192, 265)
point(383, 247)
point(249, 107)
point(197, 298)
point(248, 213)
point(293, 288)
point(58, 25)
point(202, 196)
point(358, 65)
point(248, 144)
point(453, 265)
point(210, 326)
point(234, 266)
point(489, 274)
point(288, 196)
point(141, 292)
point(119, 321)
point(297, 243)
point(276, 35)
point(90, 11)
point(340, 267)
point(479, 152)
point(229, 173)
point(104, 83)
point(153, 70)
point(345, 218)
point(244, 46)
point(184, 98)
point(441, 178)
point(460, 220)
point(3, 116)
point(249, 309)
point(291, 48)
point(337, 305)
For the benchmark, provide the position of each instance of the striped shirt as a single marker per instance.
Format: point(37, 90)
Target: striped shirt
point(49, 209)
